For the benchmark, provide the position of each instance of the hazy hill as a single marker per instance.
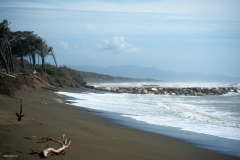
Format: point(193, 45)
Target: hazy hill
point(102, 78)
point(154, 73)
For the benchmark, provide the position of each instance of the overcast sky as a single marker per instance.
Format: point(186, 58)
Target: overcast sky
point(173, 35)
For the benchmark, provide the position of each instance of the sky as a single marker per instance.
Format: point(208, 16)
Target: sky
point(173, 35)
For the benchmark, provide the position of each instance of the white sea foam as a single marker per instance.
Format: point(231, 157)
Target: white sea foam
point(170, 84)
point(213, 115)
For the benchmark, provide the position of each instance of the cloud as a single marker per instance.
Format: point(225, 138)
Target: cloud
point(64, 45)
point(117, 45)
point(204, 9)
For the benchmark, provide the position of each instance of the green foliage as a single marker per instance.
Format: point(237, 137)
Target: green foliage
point(39, 70)
point(22, 45)
point(5, 89)
point(50, 71)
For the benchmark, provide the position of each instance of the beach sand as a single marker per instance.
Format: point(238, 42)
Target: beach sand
point(93, 137)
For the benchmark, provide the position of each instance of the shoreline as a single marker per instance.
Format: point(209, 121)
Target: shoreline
point(196, 139)
point(93, 137)
point(193, 139)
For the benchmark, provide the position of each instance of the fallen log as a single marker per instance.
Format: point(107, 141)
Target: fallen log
point(9, 75)
point(44, 81)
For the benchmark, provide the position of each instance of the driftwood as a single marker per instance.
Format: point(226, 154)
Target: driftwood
point(9, 75)
point(49, 151)
point(43, 81)
point(20, 114)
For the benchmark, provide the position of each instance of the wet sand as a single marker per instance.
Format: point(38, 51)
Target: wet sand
point(93, 137)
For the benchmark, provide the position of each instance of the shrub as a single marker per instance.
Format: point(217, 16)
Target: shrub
point(50, 72)
point(5, 89)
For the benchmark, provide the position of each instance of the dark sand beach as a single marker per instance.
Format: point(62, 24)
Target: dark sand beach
point(93, 137)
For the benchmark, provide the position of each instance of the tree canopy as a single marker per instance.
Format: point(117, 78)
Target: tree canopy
point(21, 45)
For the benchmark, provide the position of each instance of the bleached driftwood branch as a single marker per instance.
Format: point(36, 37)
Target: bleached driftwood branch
point(44, 81)
point(49, 151)
point(9, 75)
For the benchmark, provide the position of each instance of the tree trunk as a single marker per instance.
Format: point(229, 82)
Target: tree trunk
point(22, 62)
point(10, 57)
point(54, 58)
point(4, 62)
point(43, 64)
point(33, 60)
point(38, 61)
point(7, 56)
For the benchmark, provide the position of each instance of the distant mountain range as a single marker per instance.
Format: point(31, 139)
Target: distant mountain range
point(155, 73)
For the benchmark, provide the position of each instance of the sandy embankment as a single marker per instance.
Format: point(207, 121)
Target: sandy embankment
point(92, 137)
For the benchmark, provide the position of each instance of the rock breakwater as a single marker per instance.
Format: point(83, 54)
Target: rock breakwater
point(193, 91)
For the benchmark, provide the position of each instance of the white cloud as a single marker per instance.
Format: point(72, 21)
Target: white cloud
point(64, 45)
point(117, 45)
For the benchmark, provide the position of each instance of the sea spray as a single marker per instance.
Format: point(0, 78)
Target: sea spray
point(216, 115)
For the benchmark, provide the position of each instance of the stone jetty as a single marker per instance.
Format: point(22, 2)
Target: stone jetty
point(193, 91)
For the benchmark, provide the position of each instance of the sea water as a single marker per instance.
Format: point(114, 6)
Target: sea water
point(211, 122)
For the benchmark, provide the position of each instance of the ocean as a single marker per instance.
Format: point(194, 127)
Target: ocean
point(209, 122)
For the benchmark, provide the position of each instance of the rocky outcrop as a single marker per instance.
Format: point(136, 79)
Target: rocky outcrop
point(193, 91)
